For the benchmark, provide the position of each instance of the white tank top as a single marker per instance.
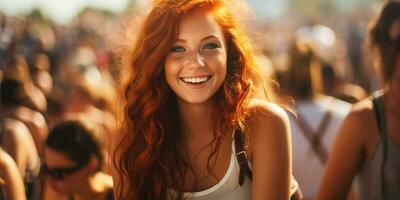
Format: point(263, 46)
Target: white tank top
point(228, 187)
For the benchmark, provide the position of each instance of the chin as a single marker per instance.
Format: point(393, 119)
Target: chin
point(195, 100)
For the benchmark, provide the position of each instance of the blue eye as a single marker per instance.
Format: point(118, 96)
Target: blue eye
point(177, 49)
point(210, 46)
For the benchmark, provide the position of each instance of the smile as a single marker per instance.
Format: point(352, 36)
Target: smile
point(195, 80)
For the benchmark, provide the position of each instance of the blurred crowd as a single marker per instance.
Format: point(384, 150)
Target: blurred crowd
point(57, 80)
point(53, 74)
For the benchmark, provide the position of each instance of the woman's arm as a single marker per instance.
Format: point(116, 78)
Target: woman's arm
point(15, 137)
point(13, 185)
point(270, 147)
point(345, 159)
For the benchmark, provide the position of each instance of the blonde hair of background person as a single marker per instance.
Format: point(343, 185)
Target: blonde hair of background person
point(359, 150)
point(176, 135)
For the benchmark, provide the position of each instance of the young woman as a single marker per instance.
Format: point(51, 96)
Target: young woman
point(367, 146)
point(188, 89)
point(73, 162)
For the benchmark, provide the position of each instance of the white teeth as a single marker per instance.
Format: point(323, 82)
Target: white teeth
point(195, 79)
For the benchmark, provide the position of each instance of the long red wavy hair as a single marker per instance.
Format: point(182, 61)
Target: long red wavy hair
point(147, 158)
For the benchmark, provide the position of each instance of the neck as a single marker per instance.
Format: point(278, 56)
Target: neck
point(196, 119)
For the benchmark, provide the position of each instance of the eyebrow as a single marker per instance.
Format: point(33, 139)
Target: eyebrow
point(205, 38)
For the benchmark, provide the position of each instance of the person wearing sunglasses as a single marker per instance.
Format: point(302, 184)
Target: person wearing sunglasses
point(73, 162)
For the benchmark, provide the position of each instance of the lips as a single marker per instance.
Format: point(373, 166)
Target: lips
point(195, 79)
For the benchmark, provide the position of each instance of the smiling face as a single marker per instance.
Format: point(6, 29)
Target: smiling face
point(195, 68)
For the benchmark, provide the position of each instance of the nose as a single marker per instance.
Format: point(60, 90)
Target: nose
point(196, 60)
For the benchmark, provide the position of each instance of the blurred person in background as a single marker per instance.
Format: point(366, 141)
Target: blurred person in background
point(12, 103)
point(333, 65)
point(367, 146)
point(90, 95)
point(11, 184)
point(318, 116)
point(90, 90)
point(41, 77)
point(74, 161)
point(18, 69)
point(56, 103)
point(334, 85)
point(16, 140)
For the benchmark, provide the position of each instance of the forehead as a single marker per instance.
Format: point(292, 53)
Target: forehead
point(199, 22)
point(53, 158)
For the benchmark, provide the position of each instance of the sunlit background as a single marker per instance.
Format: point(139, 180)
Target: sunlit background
point(337, 28)
point(64, 55)
point(63, 11)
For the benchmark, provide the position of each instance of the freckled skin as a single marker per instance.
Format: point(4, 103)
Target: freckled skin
point(198, 52)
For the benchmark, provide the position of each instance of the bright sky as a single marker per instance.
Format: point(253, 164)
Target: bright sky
point(63, 10)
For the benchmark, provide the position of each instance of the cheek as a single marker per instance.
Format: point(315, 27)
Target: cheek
point(171, 69)
point(219, 64)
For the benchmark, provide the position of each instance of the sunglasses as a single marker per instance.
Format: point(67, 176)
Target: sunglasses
point(60, 173)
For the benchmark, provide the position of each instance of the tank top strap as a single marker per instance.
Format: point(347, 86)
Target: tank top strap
point(383, 134)
point(379, 114)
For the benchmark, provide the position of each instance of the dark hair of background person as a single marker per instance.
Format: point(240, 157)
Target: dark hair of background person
point(303, 76)
point(76, 141)
point(12, 92)
point(379, 37)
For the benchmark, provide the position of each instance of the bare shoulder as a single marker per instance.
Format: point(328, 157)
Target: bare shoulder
point(15, 130)
point(266, 112)
point(361, 115)
point(360, 123)
point(269, 150)
point(268, 127)
point(31, 116)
